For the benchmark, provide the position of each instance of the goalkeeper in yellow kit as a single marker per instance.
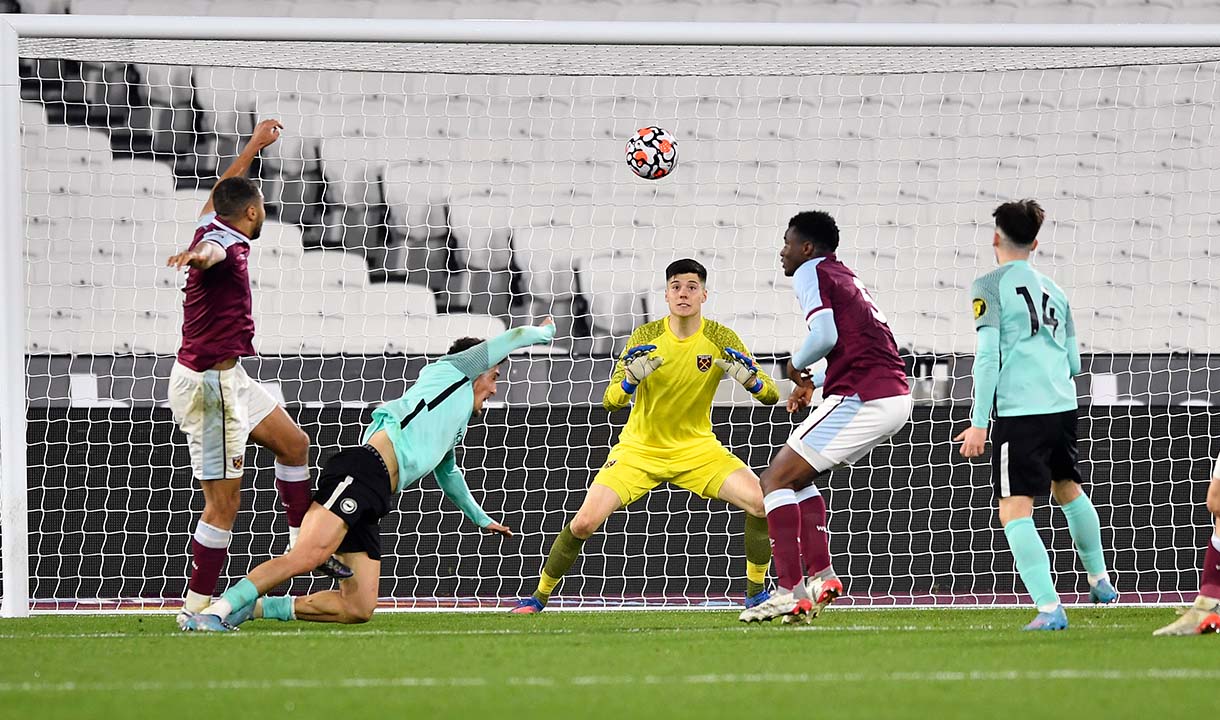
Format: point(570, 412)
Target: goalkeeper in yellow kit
point(671, 368)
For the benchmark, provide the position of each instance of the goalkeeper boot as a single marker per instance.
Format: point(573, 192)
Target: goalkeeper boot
point(1198, 619)
point(758, 598)
point(1103, 593)
point(1056, 619)
point(199, 622)
point(334, 568)
point(781, 603)
point(529, 606)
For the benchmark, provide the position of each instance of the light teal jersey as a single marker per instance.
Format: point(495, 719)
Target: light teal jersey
point(1027, 351)
point(429, 420)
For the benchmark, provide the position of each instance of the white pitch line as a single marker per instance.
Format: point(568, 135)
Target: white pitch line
point(735, 628)
point(941, 676)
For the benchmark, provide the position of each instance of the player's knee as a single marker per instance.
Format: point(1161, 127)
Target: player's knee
point(221, 508)
point(296, 449)
point(583, 526)
point(360, 612)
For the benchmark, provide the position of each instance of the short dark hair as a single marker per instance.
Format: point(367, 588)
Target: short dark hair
point(232, 196)
point(1019, 221)
point(685, 266)
point(463, 343)
point(818, 228)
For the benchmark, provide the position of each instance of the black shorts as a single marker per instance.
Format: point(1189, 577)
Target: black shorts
point(1030, 451)
point(355, 485)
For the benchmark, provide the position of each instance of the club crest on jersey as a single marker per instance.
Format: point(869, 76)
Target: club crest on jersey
point(703, 362)
point(980, 308)
point(237, 461)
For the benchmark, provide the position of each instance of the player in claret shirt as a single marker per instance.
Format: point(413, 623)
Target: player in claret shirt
point(407, 439)
point(212, 398)
point(1026, 358)
point(867, 400)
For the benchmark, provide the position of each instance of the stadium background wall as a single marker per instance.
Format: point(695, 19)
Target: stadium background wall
point(112, 507)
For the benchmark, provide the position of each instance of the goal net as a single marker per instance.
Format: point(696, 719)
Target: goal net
point(423, 192)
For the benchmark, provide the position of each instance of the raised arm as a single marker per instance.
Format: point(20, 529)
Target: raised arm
point(265, 133)
point(453, 484)
point(477, 360)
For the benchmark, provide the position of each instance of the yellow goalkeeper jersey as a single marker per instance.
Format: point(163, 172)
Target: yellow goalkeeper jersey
point(673, 405)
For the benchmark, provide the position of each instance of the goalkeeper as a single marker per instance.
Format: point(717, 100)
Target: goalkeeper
point(671, 369)
point(408, 438)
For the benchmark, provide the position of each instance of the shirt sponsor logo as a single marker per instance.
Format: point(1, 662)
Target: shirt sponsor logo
point(348, 506)
point(980, 308)
point(703, 362)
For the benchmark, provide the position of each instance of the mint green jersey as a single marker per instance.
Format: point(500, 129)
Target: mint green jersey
point(429, 420)
point(1027, 353)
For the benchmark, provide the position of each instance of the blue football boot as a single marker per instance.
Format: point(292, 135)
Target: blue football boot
point(1056, 619)
point(198, 622)
point(1103, 593)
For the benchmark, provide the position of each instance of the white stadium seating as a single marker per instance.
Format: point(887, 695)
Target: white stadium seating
point(532, 186)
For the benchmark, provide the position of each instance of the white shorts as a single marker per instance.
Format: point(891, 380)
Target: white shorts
point(844, 429)
point(216, 409)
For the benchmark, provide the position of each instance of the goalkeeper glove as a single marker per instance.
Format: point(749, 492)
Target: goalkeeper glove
point(638, 365)
point(742, 368)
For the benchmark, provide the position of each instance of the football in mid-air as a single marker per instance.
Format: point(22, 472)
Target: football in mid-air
point(652, 153)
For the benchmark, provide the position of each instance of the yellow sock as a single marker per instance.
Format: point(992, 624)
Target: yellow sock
point(546, 584)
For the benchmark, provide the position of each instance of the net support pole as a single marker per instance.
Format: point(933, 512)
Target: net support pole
point(14, 518)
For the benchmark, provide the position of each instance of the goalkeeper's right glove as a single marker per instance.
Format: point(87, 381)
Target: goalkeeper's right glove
point(638, 365)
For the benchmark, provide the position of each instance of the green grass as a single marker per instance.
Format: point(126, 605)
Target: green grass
point(849, 664)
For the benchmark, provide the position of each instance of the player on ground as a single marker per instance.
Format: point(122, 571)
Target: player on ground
point(213, 400)
point(1204, 616)
point(867, 400)
point(671, 369)
point(407, 439)
point(1025, 361)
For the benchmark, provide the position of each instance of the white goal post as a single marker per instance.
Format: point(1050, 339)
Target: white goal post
point(1138, 172)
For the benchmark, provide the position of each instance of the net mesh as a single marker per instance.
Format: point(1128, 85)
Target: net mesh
point(425, 192)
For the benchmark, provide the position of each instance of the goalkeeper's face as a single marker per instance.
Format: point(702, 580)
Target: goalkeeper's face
point(685, 295)
point(485, 387)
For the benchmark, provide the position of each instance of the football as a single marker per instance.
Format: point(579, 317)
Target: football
point(652, 153)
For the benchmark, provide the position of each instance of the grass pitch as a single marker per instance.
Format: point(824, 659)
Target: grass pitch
point(848, 664)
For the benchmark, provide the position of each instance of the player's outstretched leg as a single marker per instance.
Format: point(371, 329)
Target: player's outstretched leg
point(321, 534)
point(599, 503)
point(279, 434)
point(1204, 615)
point(1085, 528)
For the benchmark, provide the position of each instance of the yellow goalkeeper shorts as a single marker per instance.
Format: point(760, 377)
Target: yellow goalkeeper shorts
point(631, 474)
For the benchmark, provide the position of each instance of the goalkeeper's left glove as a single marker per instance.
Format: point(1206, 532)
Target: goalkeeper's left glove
point(742, 368)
